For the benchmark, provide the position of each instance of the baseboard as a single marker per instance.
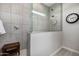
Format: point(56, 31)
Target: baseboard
point(70, 49)
point(52, 54)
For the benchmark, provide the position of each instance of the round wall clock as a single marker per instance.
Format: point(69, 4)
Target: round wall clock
point(72, 18)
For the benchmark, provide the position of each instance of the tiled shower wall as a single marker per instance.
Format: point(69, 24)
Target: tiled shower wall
point(40, 23)
point(15, 15)
point(57, 13)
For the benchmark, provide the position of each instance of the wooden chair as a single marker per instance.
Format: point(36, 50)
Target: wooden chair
point(11, 49)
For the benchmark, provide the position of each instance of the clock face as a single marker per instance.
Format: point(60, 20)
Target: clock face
point(72, 18)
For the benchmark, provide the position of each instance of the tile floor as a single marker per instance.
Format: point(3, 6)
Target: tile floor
point(23, 52)
point(65, 52)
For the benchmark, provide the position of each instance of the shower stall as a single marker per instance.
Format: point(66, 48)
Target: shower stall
point(39, 29)
point(46, 36)
point(16, 20)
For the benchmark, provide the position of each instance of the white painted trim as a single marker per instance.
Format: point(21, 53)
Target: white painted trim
point(52, 54)
point(70, 49)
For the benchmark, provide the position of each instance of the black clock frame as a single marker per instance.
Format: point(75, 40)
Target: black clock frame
point(75, 20)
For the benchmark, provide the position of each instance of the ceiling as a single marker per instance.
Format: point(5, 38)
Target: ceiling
point(48, 4)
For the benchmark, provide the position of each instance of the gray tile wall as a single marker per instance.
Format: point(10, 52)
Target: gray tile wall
point(57, 13)
point(18, 15)
point(40, 23)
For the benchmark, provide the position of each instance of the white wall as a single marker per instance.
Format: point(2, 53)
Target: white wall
point(45, 43)
point(70, 31)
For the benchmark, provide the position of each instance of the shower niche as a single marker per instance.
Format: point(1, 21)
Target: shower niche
point(46, 17)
